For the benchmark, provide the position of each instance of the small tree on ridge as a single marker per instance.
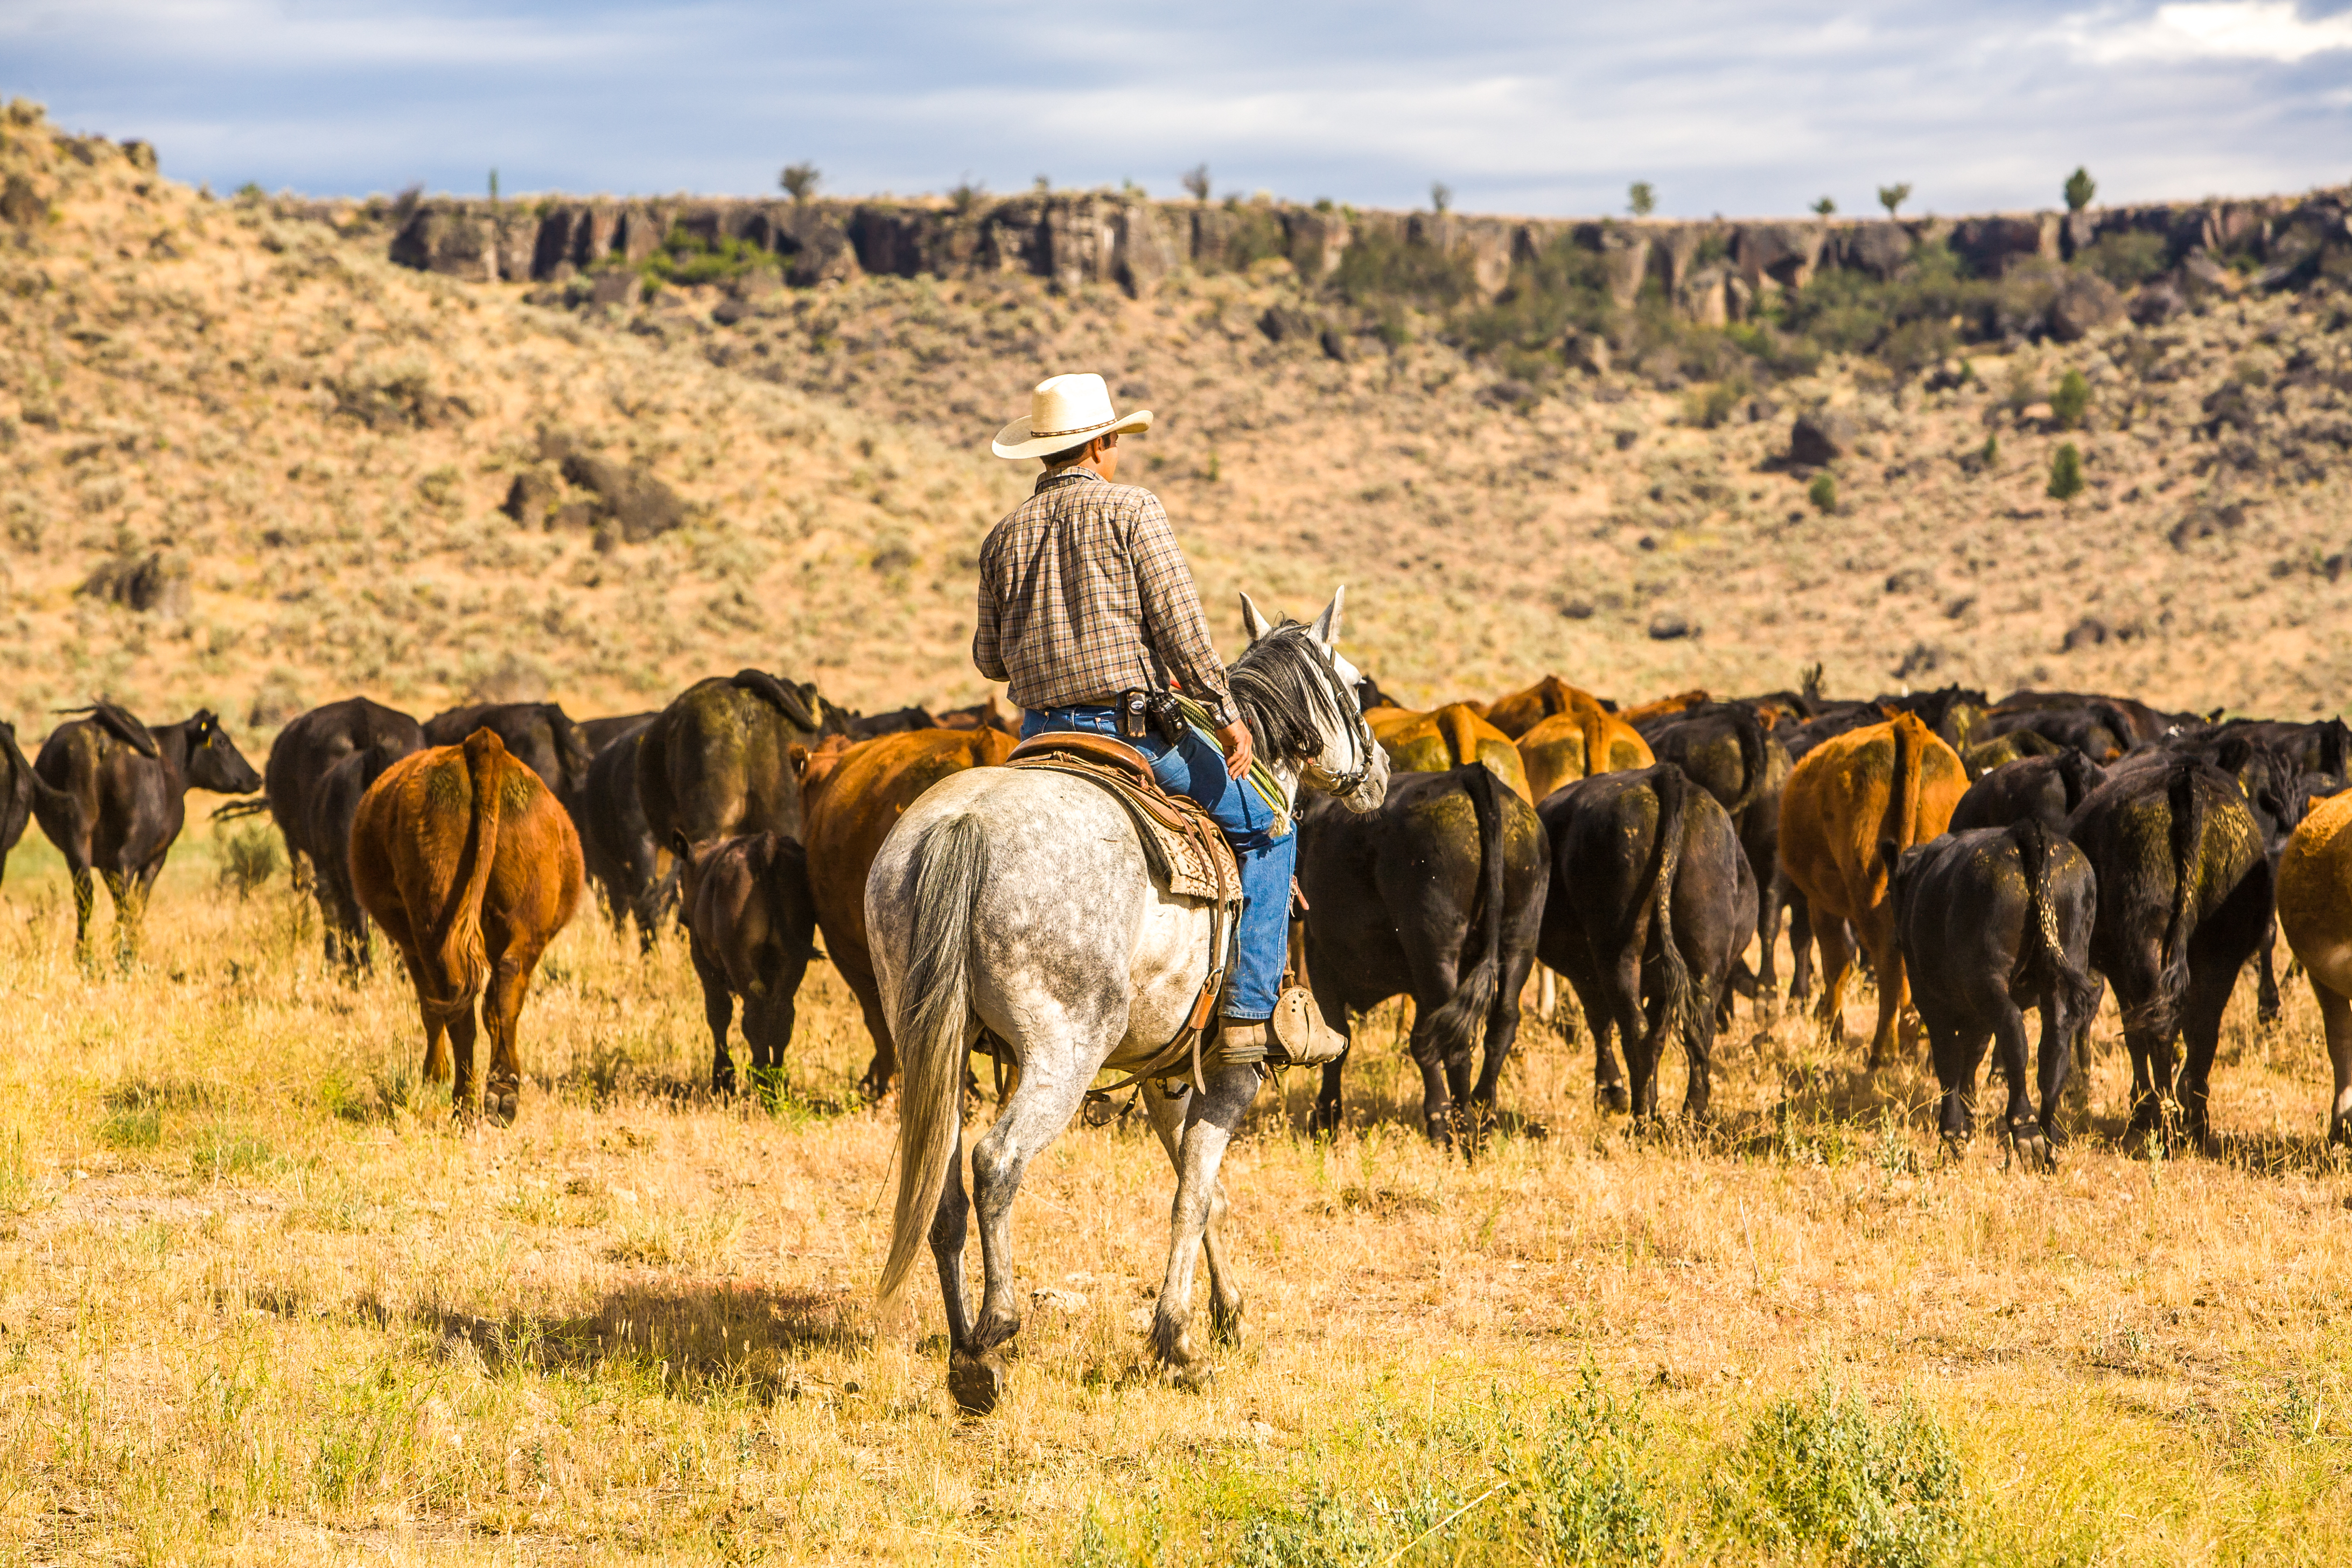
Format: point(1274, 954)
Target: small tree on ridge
point(800, 180)
point(1892, 197)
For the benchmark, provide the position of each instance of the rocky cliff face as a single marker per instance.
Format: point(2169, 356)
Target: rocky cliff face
point(1714, 272)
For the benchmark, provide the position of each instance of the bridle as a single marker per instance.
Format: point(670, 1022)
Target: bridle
point(1342, 785)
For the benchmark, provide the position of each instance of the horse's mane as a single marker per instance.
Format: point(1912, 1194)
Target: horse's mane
point(1284, 690)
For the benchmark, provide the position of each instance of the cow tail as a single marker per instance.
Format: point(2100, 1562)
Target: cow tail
point(930, 1019)
point(2042, 955)
point(1461, 739)
point(1457, 1026)
point(2161, 1013)
point(1902, 829)
point(45, 794)
point(1678, 1011)
point(1751, 757)
point(464, 959)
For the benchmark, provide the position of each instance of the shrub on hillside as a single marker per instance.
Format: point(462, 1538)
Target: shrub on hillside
point(1379, 267)
point(2066, 473)
point(2125, 259)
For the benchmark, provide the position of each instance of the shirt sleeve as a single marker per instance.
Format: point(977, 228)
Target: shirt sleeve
point(1171, 612)
point(986, 653)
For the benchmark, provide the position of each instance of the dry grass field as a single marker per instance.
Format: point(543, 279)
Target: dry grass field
point(260, 1301)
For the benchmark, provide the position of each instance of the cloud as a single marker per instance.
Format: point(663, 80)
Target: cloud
point(2271, 30)
point(1737, 105)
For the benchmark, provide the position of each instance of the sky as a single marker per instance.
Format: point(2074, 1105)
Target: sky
point(1743, 109)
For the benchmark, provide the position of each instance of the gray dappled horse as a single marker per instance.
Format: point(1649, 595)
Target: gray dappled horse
point(1020, 900)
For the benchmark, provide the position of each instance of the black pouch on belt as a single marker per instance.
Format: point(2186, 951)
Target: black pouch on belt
point(1167, 716)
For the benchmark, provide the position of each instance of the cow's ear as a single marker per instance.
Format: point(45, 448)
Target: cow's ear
point(1326, 624)
point(798, 755)
point(678, 846)
point(1252, 621)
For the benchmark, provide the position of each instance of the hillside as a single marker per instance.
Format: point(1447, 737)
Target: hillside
point(249, 397)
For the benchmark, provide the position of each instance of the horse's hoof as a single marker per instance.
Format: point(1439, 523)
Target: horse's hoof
point(976, 1381)
point(1225, 1325)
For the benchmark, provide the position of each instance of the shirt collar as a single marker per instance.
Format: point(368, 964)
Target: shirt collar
point(1063, 476)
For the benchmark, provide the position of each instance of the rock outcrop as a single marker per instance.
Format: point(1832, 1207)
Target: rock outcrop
point(1714, 271)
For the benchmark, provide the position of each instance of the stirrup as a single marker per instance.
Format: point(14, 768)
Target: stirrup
point(1301, 1037)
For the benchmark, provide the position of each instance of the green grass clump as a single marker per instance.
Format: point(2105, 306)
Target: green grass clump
point(2070, 400)
point(1825, 1470)
point(1822, 492)
point(2066, 473)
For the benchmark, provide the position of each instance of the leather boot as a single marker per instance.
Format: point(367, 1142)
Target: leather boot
point(1240, 1041)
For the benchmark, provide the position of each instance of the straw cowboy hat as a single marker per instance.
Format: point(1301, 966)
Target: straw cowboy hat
point(1065, 411)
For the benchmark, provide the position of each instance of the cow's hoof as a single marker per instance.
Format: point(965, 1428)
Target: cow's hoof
point(976, 1381)
point(500, 1101)
point(1614, 1097)
point(1199, 1377)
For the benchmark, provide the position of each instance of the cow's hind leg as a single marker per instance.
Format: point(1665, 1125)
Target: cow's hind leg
point(2024, 1128)
point(2267, 1009)
point(502, 1002)
point(1837, 968)
point(2335, 1019)
point(1225, 1304)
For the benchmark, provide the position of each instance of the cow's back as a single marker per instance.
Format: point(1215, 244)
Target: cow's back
point(851, 806)
point(311, 746)
point(717, 762)
point(1445, 738)
point(1835, 812)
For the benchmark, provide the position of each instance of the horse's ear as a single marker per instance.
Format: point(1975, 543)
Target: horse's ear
point(1326, 624)
point(1253, 622)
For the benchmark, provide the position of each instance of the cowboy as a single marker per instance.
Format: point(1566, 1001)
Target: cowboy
point(1085, 595)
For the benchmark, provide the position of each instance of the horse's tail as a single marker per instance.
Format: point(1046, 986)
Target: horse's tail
point(464, 958)
point(928, 1019)
point(1455, 1027)
point(1679, 1011)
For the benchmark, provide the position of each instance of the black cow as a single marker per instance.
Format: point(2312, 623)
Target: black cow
point(600, 733)
point(305, 752)
point(1992, 921)
point(2267, 762)
point(333, 806)
point(1437, 895)
point(898, 722)
point(2046, 789)
point(540, 735)
point(750, 926)
point(616, 842)
point(2184, 893)
point(19, 785)
point(1725, 749)
point(119, 801)
point(2130, 722)
point(719, 761)
point(1652, 901)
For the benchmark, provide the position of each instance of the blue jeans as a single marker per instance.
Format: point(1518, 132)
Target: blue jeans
point(1196, 768)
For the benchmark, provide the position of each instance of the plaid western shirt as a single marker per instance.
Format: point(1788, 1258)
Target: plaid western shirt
point(1077, 585)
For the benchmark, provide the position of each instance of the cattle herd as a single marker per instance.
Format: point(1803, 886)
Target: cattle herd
point(1982, 856)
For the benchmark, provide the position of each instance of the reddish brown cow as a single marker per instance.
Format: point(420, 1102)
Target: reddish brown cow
point(470, 867)
point(850, 800)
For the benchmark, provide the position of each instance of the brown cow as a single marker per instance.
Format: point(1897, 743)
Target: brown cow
point(1580, 742)
point(1442, 739)
point(471, 867)
point(1851, 809)
point(850, 799)
point(751, 929)
point(1521, 712)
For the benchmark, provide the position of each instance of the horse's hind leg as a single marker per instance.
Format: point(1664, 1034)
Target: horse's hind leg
point(1033, 1114)
point(1208, 1123)
point(1224, 1295)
